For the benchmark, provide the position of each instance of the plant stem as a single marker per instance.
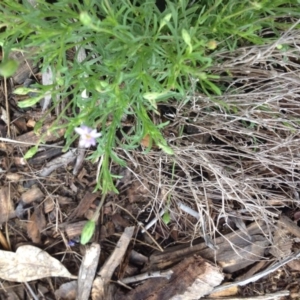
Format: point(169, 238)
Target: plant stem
point(97, 212)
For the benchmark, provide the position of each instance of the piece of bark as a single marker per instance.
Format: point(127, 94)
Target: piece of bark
point(253, 270)
point(36, 224)
point(6, 205)
point(48, 205)
point(230, 259)
point(87, 271)
point(34, 194)
point(58, 162)
point(79, 161)
point(74, 229)
point(271, 296)
point(43, 156)
point(261, 274)
point(14, 177)
point(137, 258)
point(119, 221)
point(20, 124)
point(240, 254)
point(84, 205)
point(100, 285)
point(192, 278)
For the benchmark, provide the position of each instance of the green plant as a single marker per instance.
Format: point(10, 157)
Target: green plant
point(137, 56)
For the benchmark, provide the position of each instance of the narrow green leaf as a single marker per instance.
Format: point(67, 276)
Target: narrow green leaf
point(29, 102)
point(164, 21)
point(166, 149)
point(24, 91)
point(187, 39)
point(31, 152)
point(87, 232)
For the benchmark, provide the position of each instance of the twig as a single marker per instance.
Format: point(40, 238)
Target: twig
point(7, 107)
point(166, 274)
point(264, 297)
point(153, 221)
point(34, 296)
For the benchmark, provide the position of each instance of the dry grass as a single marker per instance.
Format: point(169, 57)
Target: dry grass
point(236, 156)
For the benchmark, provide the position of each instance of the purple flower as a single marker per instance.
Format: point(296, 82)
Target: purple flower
point(87, 136)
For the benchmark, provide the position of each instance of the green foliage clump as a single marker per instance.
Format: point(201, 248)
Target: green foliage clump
point(137, 56)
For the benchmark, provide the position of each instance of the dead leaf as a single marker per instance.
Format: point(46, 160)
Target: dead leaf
point(30, 263)
point(146, 141)
point(30, 123)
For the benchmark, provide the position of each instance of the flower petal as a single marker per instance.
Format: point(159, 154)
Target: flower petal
point(79, 130)
point(95, 134)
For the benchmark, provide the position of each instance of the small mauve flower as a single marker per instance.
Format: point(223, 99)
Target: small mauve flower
point(71, 243)
point(87, 136)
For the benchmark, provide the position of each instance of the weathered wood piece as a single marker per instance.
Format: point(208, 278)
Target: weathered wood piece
point(261, 274)
point(246, 250)
point(84, 205)
point(36, 224)
point(60, 161)
point(43, 156)
point(271, 296)
point(73, 229)
point(192, 278)
point(87, 272)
